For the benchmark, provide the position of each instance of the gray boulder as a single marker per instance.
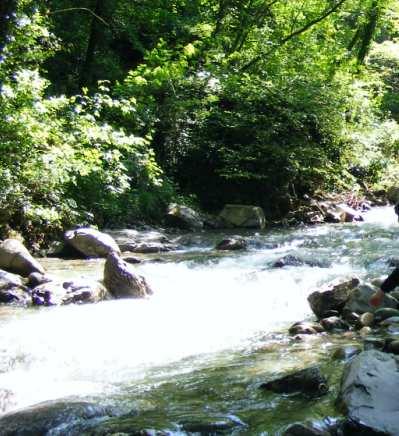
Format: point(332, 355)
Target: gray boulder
point(60, 293)
point(121, 279)
point(12, 289)
point(358, 300)
point(184, 217)
point(369, 393)
point(237, 215)
point(91, 242)
point(333, 296)
point(15, 258)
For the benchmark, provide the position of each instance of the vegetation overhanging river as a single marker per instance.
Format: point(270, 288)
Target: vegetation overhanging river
point(197, 350)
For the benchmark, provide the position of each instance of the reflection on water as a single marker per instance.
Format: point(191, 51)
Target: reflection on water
point(205, 338)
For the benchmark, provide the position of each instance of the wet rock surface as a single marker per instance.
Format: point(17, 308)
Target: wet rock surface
point(369, 393)
point(52, 417)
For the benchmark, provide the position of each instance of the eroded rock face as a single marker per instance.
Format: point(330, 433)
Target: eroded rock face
point(51, 416)
point(15, 258)
point(369, 393)
point(91, 242)
point(237, 215)
point(332, 297)
point(184, 217)
point(308, 381)
point(121, 279)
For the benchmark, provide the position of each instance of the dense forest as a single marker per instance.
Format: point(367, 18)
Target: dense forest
point(110, 110)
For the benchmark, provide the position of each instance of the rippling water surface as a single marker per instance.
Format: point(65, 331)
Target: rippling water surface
point(199, 347)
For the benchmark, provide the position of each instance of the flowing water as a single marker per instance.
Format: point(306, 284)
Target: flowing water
point(192, 356)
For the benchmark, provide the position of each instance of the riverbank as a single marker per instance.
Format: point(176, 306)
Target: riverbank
point(192, 355)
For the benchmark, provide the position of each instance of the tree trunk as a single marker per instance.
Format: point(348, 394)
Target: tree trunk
point(95, 35)
point(7, 9)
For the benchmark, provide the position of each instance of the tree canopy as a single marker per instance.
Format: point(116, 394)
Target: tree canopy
point(111, 109)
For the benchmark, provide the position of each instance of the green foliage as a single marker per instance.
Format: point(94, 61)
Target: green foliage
point(248, 101)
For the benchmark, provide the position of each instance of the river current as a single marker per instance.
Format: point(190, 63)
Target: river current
point(197, 350)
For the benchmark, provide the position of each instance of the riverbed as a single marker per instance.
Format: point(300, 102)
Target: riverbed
point(192, 356)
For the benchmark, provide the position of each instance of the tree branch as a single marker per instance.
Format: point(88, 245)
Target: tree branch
point(292, 35)
point(59, 11)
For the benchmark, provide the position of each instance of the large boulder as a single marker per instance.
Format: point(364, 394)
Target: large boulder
point(51, 417)
point(332, 296)
point(12, 289)
point(184, 217)
point(237, 215)
point(61, 293)
point(369, 393)
point(15, 258)
point(121, 279)
point(91, 242)
point(358, 300)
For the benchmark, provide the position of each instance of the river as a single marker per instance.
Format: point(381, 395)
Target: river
point(195, 352)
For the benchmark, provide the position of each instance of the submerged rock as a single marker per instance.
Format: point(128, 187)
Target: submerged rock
point(308, 381)
point(91, 242)
point(305, 328)
point(291, 260)
point(237, 215)
point(232, 244)
point(51, 416)
point(15, 258)
point(369, 394)
point(121, 279)
point(332, 297)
